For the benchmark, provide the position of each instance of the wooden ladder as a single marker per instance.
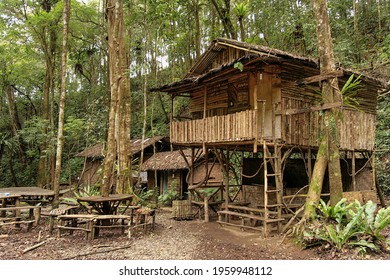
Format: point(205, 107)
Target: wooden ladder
point(272, 209)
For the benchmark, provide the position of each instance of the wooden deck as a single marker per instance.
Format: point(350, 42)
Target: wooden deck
point(295, 128)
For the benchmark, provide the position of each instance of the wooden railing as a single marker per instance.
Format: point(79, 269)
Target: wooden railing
point(239, 126)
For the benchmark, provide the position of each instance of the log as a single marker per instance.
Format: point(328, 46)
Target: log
point(99, 252)
point(34, 247)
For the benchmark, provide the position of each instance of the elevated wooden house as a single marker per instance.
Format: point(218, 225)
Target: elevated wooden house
point(260, 112)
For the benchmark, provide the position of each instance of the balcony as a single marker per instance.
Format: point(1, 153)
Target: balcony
point(237, 127)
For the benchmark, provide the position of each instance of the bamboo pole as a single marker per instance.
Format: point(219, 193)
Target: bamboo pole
point(206, 209)
point(353, 170)
point(204, 117)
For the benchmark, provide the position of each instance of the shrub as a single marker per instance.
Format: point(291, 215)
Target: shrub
point(349, 225)
point(171, 195)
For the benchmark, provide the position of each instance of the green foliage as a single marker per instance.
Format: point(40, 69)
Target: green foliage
point(349, 225)
point(85, 191)
point(148, 198)
point(239, 66)
point(171, 195)
point(349, 92)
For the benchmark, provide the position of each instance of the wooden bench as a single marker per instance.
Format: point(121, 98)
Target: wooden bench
point(225, 216)
point(73, 222)
point(110, 221)
point(34, 215)
point(54, 213)
point(144, 218)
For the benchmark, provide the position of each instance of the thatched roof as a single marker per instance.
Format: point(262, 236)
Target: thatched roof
point(202, 69)
point(171, 160)
point(97, 150)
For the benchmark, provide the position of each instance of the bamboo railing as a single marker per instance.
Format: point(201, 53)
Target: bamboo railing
point(240, 126)
point(356, 130)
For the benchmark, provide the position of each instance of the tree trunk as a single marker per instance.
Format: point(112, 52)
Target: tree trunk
point(330, 93)
point(118, 139)
point(242, 30)
point(47, 38)
point(315, 186)
point(224, 14)
point(15, 122)
point(197, 28)
point(60, 133)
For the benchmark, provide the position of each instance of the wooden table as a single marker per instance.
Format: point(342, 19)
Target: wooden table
point(106, 205)
point(32, 195)
point(107, 208)
point(10, 203)
point(7, 199)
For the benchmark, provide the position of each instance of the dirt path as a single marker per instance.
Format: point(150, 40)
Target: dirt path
point(171, 240)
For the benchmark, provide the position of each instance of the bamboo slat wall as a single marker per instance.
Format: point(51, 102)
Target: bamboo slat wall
point(357, 130)
point(240, 126)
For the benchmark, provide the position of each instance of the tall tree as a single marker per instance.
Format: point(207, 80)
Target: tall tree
point(118, 137)
point(47, 36)
point(328, 153)
point(224, 12)
point(61, 113)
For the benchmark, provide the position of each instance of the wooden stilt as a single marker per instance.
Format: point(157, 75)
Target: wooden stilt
point(354, 171)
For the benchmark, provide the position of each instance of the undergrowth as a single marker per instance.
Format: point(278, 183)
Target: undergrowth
point(350, 225)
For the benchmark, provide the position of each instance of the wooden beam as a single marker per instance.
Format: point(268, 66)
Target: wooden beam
point(319, 78)
point(311, 109)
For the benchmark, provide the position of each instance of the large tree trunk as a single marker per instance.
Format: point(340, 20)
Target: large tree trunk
point(60, 133)
point(118, 139)
point(47, 38)
point(330, 93)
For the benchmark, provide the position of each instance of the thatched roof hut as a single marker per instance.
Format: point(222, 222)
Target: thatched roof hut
point(171, 160)
point(97, 150)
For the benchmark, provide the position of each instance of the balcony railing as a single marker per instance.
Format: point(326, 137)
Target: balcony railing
point(240, 126)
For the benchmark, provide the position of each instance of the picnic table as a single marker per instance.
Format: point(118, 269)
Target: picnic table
point(106, 205)
point(106, 208)
point(10, 211)
point(32, 195)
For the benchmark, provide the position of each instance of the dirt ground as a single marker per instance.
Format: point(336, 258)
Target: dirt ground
point(171, 240)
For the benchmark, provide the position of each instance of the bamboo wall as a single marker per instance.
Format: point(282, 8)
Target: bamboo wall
point(356, 129)
point(239, 126)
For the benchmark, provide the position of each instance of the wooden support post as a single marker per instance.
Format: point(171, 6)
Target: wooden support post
point(309, 165)
point(226, 179)
point(354, 171)
point(263, 120)
point(376, 183)
point(273, 117)
point(256, 108)
point(204, 118)
point(206, 209)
